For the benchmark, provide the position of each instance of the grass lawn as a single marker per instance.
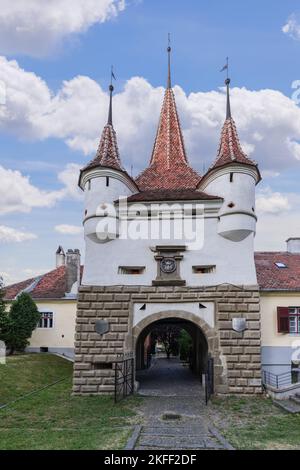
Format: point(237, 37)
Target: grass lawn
point(52, 419)
point(255, 423)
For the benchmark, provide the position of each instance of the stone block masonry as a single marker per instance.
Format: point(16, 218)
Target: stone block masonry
point(236, 355)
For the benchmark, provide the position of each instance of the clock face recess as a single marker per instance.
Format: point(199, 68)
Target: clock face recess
point(168, 265)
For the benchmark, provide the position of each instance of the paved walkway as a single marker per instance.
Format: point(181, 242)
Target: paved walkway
point(174, 411)
point(169, 377)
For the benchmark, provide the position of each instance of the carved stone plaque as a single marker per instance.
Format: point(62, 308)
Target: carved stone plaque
point(168, 265)
point(101, 327)
point(239, 324)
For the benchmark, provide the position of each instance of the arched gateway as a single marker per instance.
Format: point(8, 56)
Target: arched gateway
point(169, 244)
point(203, 346)
point(204, 338)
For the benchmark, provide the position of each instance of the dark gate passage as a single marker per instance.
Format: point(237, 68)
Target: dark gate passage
point(179, 375)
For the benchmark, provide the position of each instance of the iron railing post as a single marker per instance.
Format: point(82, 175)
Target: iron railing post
point(116, 375)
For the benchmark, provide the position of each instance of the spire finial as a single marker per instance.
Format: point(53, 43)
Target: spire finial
point(111, 89)
point(227, 83)
point(169, 61)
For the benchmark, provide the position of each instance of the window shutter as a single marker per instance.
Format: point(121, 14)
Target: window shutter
point(283, 320)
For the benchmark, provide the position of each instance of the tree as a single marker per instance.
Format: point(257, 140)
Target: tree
point(185, 345)
point(4, 320)
point(168, 336)
point(23, 319)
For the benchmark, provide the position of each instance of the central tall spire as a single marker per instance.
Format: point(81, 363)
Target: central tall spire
point(169, 168)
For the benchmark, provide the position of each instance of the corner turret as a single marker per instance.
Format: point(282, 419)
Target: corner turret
point(233, 176)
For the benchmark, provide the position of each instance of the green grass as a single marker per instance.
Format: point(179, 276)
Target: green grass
point(255, 423)
point(52, 418)
point(27, 372)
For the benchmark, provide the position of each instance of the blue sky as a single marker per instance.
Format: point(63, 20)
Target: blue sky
point(264, 61)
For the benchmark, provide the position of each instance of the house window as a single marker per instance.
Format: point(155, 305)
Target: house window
point(288, 319)
point(46, 320)
point(231, 177)
point(294, 319)
point(107, 181)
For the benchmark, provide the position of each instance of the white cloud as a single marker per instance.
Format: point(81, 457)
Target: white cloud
point(37, 27)
point(68, 229)
point(278, 220)
point(267, 120)
point(69, 177)
point(11, 235)
point(18, 194)
point(268, 202)
point(292, 27)
point(273, 230)
point(13, 275)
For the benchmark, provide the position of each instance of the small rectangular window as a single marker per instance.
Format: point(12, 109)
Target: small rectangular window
point(102, 365)
point(231, 177)
point(131, 270)
point(46, 320)
point(204, 269)
point(89, 184)
point(107, 181)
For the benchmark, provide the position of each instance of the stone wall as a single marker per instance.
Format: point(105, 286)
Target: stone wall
point(237, 355)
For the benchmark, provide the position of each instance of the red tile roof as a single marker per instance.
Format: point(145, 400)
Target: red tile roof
point(270, 277)
point(171, 195)
point(108, 153)
point(51, 285)
point(169, 168)
point(14, 289)
point(230, 150)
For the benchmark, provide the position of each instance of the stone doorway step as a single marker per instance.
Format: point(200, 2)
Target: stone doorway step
point(291, 405)
point(184, 434)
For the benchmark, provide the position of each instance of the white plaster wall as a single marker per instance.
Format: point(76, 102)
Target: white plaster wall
point(207, 314)
point(234, 260)
point(101, 194)
point(268, 304)
point(241, 191)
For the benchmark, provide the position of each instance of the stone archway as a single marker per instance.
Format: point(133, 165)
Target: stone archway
point(204, 336)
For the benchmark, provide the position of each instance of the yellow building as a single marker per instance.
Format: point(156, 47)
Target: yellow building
point(55, 294)
point(278, 276)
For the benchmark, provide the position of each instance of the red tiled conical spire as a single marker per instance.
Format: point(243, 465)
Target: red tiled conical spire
point(169, 168)
point(108, 153)
point(230, 150)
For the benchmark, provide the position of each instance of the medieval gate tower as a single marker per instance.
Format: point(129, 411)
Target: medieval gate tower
point(130, 282)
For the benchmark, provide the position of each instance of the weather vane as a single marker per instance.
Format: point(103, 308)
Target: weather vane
point(112, 75)
point(226, 67)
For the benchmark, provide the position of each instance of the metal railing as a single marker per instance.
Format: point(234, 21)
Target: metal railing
point(209, 380)
point(124, 378)
point(277, 380)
